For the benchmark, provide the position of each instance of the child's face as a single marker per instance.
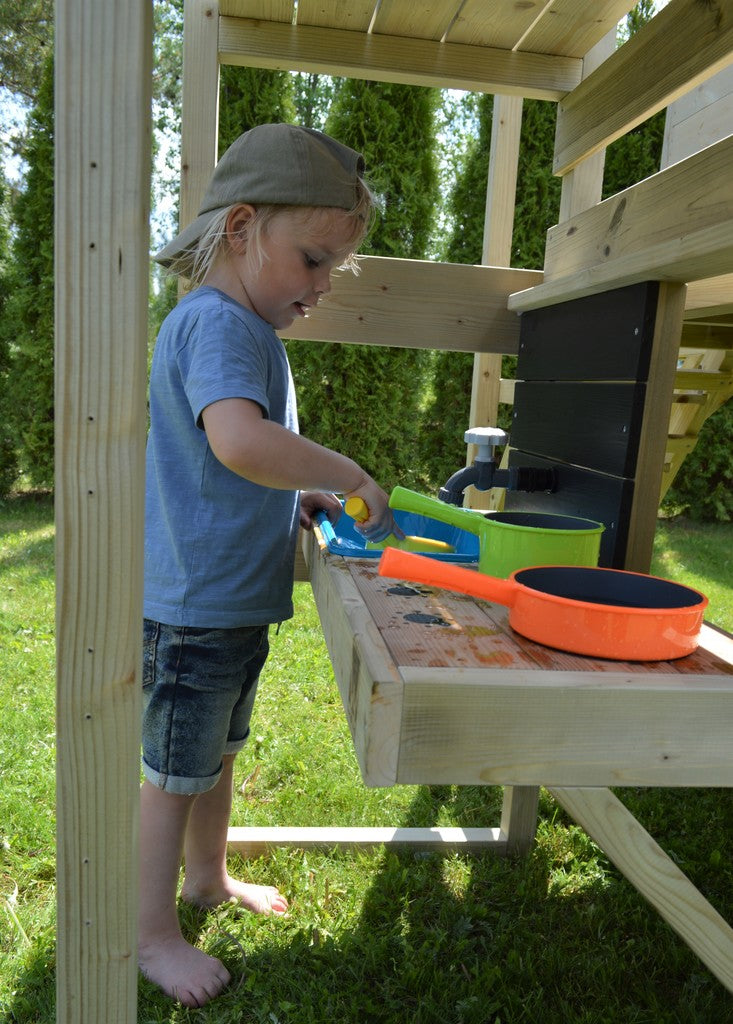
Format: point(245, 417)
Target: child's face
point(300, 252)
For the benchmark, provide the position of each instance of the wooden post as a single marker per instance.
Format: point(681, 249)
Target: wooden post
point(501, 187)
point(103, 150)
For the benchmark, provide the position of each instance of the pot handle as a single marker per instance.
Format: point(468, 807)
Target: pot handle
point(405, 500)
point(406, 566)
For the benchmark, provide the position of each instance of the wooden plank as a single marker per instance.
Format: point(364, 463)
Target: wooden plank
point(555, 728)
point(103, 78)
point(355, 16)
point(590, 424)
point(200, 117)
point(413, 304)
point(395, 59)
point(423, 20)
point(599, 337)
point(654, 875)
point(699, 118)
point(570, 27)
point(252, 841)
point(270, 10)
point(685, 43)
point(368, 682)
point(675, 226)
point(500, 24)
point(573, 27)
point(653, 434)
point(709, 297)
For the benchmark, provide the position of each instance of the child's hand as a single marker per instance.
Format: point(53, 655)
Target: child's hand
point(318, 501)
point(379, 522)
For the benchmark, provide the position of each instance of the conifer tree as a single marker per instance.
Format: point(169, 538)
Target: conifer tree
point(8, 456)
point(28, 316)
point(366, 400)
point(251, 96)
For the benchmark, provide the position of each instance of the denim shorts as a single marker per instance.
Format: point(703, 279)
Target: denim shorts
point(199, 688)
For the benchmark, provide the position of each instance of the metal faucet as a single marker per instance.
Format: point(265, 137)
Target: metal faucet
point(484, 473)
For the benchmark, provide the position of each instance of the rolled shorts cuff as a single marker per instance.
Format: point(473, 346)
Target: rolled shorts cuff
point(179, 785)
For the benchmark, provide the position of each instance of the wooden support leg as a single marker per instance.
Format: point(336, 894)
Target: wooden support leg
point(654, 874)
point(519, 818)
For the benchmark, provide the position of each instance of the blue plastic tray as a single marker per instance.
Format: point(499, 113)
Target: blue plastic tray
point(343, 539)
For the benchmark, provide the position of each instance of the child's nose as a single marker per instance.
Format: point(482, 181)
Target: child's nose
point(323, 283)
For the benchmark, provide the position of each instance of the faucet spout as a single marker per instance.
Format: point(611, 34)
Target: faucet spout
point(479, 474)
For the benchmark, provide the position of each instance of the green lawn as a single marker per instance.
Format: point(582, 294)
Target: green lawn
point(556, 938)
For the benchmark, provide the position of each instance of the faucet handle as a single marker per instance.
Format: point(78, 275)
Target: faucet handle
point(486, 439)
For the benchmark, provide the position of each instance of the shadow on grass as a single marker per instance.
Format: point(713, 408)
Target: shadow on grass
point(554, 938)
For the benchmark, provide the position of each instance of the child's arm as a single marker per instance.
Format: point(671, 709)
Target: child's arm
point(271, 455)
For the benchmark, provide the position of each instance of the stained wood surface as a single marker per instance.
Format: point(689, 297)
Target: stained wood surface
point(478, 704)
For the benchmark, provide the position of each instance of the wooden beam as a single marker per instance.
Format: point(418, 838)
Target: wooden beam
point(419, 304)
point(256, 842)
point(674, 226)
point(501, 187)
point(478, 726)
point(398, 59)
point(654, 875)
point(200, 106)
point(682, 45)
point(103, 131)
point(711, 297)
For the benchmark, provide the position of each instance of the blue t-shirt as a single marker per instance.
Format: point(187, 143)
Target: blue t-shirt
point(219, 549)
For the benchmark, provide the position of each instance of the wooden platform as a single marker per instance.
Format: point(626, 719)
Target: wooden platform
point(438, 689)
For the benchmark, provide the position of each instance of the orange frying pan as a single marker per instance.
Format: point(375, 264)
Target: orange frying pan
point(604, 613)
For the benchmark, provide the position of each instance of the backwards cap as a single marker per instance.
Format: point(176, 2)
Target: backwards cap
point(282, 164)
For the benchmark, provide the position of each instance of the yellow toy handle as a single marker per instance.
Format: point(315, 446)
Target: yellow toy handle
point(357, 509)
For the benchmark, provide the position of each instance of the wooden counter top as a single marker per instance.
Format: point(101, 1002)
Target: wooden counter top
point(438, 689)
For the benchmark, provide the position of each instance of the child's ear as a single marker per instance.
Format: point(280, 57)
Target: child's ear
point(237, 226)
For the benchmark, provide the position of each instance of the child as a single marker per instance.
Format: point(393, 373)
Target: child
point(225, 468)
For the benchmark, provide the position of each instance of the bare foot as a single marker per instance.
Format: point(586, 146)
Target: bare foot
point(182, 971)
point(260, 899)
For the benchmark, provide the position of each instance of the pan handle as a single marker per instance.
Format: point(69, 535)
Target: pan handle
point(404, 565)
point(420, 504)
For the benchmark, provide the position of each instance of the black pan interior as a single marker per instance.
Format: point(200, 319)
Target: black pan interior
point(542, 521)
point(608, 586)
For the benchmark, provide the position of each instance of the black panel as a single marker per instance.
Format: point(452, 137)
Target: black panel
point(580, 492)
point(594, 425)
point(599, 337)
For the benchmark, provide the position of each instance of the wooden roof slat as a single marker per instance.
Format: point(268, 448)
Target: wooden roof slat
point(573, 27)
point(266, 10)
point(354, 16)
point(417, 19)
point(500, 24)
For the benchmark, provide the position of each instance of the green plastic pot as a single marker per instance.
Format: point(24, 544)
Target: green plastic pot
point(513, 540)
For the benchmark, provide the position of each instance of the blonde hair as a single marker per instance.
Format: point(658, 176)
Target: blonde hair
point(195, 263)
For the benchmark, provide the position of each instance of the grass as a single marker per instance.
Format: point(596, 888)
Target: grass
point(556, 938)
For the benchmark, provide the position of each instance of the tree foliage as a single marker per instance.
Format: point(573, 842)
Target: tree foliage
point(26, 40)
point(8, 455)
point(28, 320)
